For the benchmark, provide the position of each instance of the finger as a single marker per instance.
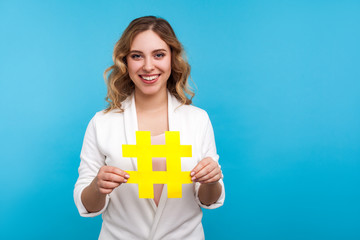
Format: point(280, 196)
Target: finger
point(207, 167)
point(108, 185)
point(214, 179)
point(111, 177)
point(207, 174)
point(202, 164)
point(105, 191)
point(118, 171)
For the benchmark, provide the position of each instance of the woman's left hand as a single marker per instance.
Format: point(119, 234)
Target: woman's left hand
point(206, 171)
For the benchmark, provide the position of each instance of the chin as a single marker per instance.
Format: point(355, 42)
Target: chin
point(150, 92)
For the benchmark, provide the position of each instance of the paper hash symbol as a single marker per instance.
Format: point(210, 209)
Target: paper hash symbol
point(145, 177)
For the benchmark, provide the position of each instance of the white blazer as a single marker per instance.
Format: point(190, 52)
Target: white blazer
point(125, 215)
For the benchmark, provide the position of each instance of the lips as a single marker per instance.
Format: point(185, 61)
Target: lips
point(149, 79)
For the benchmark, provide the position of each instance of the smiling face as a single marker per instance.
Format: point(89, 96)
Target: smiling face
point(149, 63)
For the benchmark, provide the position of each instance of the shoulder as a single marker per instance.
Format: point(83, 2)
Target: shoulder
point(102, 118)
point(194, 118)
point(193, 111)
point(108, 115)
point(190, 111)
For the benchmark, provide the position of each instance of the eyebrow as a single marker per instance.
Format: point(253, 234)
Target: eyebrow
point(156, 50)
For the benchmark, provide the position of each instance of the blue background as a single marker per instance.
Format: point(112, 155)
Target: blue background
point(279, 79)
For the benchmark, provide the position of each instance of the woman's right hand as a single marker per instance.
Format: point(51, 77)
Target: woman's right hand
point(109, 178)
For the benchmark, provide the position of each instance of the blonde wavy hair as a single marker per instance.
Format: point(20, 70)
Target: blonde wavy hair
point(119, 84)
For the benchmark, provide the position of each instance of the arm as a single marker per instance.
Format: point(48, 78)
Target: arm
point(208, 173)
point(108, 178)
point(95, 180)
point(209, 193)
point(92, 199)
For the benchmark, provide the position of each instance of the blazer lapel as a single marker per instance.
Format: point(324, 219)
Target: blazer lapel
point(173, 104)
point(130, 124)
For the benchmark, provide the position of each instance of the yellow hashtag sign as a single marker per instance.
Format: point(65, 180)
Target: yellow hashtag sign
point(145, 176)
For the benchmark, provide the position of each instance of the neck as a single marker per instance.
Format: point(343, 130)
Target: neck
point(151, 103)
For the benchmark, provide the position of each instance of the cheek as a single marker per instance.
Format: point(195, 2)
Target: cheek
point(166, 66)
point(133, 67)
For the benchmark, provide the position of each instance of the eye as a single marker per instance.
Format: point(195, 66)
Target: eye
point(135, 56)
point(159, 55)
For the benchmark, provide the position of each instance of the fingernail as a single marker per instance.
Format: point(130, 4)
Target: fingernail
point(193, 178)
point(127, 176)
point(125, 180)
point(192, 173)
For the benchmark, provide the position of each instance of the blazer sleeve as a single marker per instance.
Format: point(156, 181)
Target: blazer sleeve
point(91, 161)
point(209, 150)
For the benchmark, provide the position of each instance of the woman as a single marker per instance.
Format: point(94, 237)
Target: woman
point(147, 91)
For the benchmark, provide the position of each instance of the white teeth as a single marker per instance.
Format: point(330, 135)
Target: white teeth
point(149, 78)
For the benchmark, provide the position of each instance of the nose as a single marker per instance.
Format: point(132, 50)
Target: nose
point(148, 65)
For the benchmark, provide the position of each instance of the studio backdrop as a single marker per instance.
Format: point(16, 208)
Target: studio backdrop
point(280, 81)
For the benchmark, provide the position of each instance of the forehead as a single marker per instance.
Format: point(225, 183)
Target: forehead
point(148, 41)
